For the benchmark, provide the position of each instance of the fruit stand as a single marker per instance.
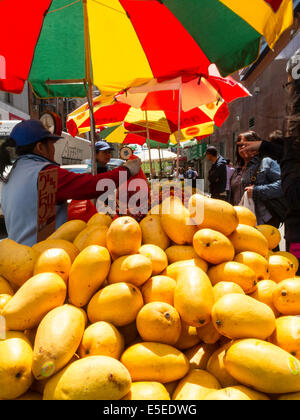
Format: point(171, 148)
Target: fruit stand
point(185, 305)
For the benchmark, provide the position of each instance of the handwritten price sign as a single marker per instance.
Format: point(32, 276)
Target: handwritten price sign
point(47, 189)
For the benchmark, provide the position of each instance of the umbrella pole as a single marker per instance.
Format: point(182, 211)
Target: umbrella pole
point(178, 138)
point(149, 146)
point(93, 135)
point(160, 161)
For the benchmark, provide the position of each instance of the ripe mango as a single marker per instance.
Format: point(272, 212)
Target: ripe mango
point(256, 262)
point(236, 393)
point(239, 316)
point(135, 269)
point(92, 378)
point(117, 303)
point(272, 235)
point(34, 300)
point(286, 297)
point(54, 260)
point(213, 246)
point(91, 235)
point(16, 262)
point(155, 362)
point(263, 366)
point(69, 247)
point(157, 257)
point(100, 219)
point(176, 222)
point(209, 213)
point(247, 238)
point(124, 237)
point(193, 297)
point(159, 289)
point(180, 253)
point(101, 339)
point(57, 339)
point(69, 230)
point(5, 287)
point(234, 272)
point(153, 233)
point(15, 365)
point(245, 216)
point(88, 272)
point(173, 269)
point(287, 335)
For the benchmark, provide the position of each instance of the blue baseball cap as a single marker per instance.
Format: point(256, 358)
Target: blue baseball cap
point(30, 132)
point(102, 146)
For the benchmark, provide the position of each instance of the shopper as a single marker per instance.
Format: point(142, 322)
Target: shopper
point(230, 170)
point(103, 155)
point(287, 152)
point(260, 178)
point(217, 175)
point(35, 147)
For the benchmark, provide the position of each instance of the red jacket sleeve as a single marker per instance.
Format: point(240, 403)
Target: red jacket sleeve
point(73, 186)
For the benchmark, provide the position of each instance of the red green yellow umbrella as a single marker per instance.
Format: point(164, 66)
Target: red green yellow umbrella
point(130, 41)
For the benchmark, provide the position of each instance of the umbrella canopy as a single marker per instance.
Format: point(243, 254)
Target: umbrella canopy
point(157, 155)
point(161, 126)
point(131, 41)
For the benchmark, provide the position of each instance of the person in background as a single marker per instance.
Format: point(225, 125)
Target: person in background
point(103, 155)
point(35, 148)
point(230, 170)
point(287, 153)
point(260, 179)
point(217, 175)
point(193, 175)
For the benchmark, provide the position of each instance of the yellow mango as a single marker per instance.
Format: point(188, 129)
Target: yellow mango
point(286, 297)
point(3, 300)
point(238, 316)
point(135, 269)
point(193, 297)
point(54, 260)
point(30, 396)
point(195, 386)
point(5, 287)
point(247, 238)
point(91, 235)
point(281, 268)
point(92, 378)
point(159, 322)
point(173, 269)
point(213, 246)
point(294, 260)
point(236, 393)
point(33, 301)
point(287, 334)
point(147, 391)
point(157, 256)
point(226, 288)
point(264, 294)
point(69, 230)
point(153, 233)
point(88, 273)
point(176, 222)
point(159, 289)
point(15, 366)
point(67, 246)
point(256, 262)
point(236, 273)
point(208, 334)
point(155, 362)
point(101, 339)
point(263, 366)
point(180, 253)
point(272, 235)
point(216, 366)
point(16, 262)
point(245, 216)
point(100, 219)
point(117, 303)
point(209, 213)
point(199, 355)
point(54, 345)
point(124, 237)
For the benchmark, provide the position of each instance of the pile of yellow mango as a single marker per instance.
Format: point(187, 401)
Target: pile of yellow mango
point(189, 304)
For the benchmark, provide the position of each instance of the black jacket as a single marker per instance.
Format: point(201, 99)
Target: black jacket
point(217, 176)
point(287, 154)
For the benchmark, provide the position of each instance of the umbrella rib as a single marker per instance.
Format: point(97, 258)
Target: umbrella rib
point(64, 7)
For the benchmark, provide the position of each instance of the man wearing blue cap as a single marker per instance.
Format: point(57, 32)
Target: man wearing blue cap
point(103, 155)
point(35, 148)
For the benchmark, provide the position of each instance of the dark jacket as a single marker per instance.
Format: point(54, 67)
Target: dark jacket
point(217, 177)
point(288, 155)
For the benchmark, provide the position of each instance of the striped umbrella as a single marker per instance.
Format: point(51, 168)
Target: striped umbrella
point(59, 44)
